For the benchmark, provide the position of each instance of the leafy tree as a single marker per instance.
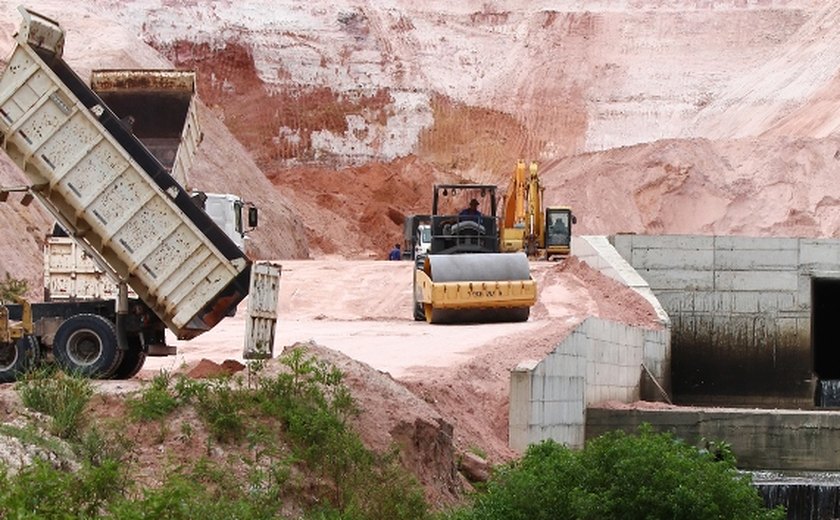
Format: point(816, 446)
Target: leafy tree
point(620, 476)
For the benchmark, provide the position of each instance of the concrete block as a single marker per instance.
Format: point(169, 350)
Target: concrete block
point(738, 243)
point(536, 387)
point(553, 363)
point(576, 390)
point(556, 412)
point(673, 301)
point(756, 281)
point(777, 302)
point(594, 393)
point(756, 260)
point(684, 242)
point(668, 259)
point(623, 245)
point(679, 279)
point(537, 416)
point(815, 252)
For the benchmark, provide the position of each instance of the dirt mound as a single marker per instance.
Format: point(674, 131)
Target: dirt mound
point(393, 416)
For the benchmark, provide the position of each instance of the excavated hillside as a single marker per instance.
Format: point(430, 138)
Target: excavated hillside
point(660, 117)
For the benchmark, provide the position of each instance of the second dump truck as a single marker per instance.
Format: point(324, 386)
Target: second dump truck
point(121, 205)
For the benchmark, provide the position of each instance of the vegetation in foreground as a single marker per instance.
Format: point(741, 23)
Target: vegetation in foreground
point(299, 459)
point(290, 452)
point(620, 476)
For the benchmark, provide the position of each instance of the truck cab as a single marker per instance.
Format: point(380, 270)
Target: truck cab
point(423, 240)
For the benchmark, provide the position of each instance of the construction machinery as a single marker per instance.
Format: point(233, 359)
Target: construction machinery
point(159, 105)
point(417, 236)
point(122, 207)
point(465, 277)
point(526, 226)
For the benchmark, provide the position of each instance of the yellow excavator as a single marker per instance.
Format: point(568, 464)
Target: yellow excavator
point(525, 226)
point(464, 278)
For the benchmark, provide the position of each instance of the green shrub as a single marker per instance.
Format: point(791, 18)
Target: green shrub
point(220, 407)
point(99, 446)
point(41, 491)
point(12, 289)
point(155, 402)
point(63, 397)
point(182, 498)
point(313, 406)
point(620, 476)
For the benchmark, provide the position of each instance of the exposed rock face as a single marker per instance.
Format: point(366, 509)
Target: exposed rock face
point(352, 111)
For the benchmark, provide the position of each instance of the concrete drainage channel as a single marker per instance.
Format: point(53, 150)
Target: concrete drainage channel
point(745, 352)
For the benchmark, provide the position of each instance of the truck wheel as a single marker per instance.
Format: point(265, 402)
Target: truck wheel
point(132, 360)
point(18, 357)
point(86, 344)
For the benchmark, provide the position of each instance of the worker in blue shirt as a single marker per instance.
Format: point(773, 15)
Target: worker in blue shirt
point(396, 253)
point(471, 212)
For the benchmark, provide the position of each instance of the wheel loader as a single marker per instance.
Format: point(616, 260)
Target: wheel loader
point(465, 278)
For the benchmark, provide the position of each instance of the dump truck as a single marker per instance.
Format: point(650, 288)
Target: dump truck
point(417, 237)
point(526, 225)
point(120, 204)
point(160, 106)
point(465, 278)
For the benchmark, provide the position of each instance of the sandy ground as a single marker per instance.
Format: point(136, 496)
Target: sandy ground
point(363, 309)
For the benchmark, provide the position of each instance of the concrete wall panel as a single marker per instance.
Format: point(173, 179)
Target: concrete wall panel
point(787, 280)
point(755, 260)
point(760, 439)
point(749, 324)
point(654, 259)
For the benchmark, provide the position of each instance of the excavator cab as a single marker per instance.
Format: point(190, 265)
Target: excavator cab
point(464, 278)
point(558, 231)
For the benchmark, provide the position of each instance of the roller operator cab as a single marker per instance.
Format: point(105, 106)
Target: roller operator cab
point(465, 278)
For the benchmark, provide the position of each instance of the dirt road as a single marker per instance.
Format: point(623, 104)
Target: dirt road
point(363, 309)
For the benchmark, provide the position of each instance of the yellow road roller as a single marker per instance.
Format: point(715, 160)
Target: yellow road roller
point(465, 278)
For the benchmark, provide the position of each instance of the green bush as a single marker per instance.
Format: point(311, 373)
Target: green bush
point(63, 397)
point(620, 476)
point(155, 402)
point(182, 498)
point(294, 439)
point(12, 289)
point(40, 491)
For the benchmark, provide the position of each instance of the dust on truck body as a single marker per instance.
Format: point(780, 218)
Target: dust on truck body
point(127, 212)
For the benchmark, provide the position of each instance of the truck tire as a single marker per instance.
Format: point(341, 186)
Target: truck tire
point(132, 360)
point(18, 357)
point(86, 345)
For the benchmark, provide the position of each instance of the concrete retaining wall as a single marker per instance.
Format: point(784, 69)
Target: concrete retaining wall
point(599, 361)
point(740, 312)
point(600, 254)
point(760, 439)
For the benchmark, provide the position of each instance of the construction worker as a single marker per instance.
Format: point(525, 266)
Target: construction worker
point(396, 253)
point(471, 212)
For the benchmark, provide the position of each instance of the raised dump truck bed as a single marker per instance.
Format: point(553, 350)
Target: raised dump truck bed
point(158, 105)
point(110, 192)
